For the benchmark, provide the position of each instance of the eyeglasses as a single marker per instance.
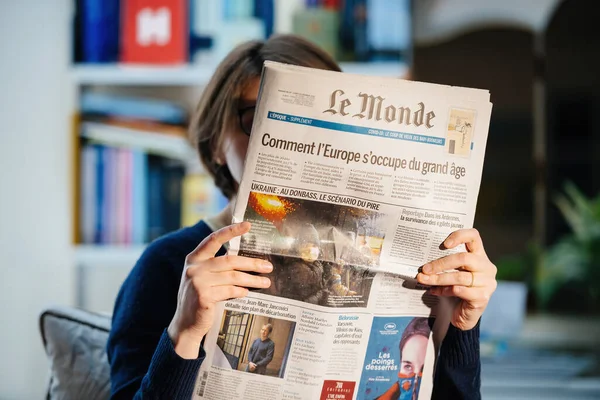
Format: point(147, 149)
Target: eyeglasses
point(246, 118)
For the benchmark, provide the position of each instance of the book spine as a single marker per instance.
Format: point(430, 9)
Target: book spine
point(139, 198)
point(109, 196)
point(264, 9)
point(88, 175)
point(172, 175)
point(100, 194)
point(155, 223)
point(133, 107)
point(100, 30)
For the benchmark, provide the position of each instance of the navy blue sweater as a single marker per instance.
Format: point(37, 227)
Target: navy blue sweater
point(143, 362)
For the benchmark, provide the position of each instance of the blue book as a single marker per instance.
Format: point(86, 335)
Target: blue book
point(100, 158)
point(139, 200)
point(265, 10)
point(105, 104)
point(99, 27)
point(172, 174)
point(88, 185)
point(154, 196)
point(109, 195)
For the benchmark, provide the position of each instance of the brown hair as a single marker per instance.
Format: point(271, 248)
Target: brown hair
point(217, 108)
point(418, 326)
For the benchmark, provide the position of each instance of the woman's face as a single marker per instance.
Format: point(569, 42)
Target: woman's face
point(235, 141)
point(413, 355)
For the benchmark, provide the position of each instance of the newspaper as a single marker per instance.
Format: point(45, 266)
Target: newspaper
point(351, 183)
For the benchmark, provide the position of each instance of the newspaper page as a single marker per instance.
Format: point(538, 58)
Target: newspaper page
point(351, 183)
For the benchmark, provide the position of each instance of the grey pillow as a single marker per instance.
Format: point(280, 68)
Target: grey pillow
point(75, 343)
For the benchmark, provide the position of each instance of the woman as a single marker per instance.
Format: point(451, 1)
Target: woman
point(413, 349)
point(166, 305)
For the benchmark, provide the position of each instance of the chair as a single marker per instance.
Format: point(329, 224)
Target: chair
point(75, 344)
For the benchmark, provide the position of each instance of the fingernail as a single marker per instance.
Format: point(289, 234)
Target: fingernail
point(449, 243)
point(267, 266)
point(427, 268)
point(424, 277)
point(266, 282)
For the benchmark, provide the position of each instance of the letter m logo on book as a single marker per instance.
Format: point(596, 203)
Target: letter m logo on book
point(154, 31)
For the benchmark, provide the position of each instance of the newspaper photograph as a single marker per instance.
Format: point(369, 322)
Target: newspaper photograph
point(351, 183)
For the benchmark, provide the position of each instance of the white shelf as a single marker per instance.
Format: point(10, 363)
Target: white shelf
point(104, 256)
point(196, 75)
point(109, 74)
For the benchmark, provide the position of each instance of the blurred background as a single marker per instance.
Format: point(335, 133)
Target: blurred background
point(95, 97)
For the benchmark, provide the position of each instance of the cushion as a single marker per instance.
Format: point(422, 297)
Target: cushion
point(75, 343)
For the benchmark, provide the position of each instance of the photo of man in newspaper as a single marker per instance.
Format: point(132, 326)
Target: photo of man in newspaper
point(253, 343)
point(395, 358)
point(324, 262)
point(460, 131)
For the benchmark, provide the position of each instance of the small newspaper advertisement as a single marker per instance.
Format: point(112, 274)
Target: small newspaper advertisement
point(351, 183)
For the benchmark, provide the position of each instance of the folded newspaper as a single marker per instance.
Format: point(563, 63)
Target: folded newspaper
point(351, 183)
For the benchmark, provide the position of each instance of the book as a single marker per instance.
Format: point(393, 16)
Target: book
point(139, 199)
point(88, 186)
point(154, 32)
point(172, 174)
point(284, 11)
point(320, 26)
point(171, 146)
point(200, 198)
point(132, 108)
point(265, 11)
point(97, 22)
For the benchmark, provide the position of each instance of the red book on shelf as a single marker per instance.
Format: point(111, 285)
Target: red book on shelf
point(331, 4)
point(154, 31)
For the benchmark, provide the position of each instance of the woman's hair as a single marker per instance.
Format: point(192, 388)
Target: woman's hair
point(217, 109)
point(418, 326)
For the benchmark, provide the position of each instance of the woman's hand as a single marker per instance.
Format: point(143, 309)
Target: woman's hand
point(473, 283)
point(207, 280)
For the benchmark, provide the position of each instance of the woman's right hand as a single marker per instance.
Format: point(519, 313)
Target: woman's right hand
point(206, 280)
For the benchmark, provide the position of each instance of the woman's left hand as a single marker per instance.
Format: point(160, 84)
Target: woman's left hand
point(473, 281)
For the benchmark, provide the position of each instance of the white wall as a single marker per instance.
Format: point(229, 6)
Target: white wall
point(35, 260)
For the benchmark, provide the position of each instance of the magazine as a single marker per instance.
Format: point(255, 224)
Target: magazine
point(351, 183)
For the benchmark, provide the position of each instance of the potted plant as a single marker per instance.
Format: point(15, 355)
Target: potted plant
point(568, 273)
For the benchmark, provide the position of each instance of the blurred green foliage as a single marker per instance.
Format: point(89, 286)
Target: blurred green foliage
point(568, 273)
point(564, 277)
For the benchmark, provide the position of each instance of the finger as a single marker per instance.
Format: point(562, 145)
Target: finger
point(467, 261)
point(222, 293)
point(471, 295)
point(240, 263)
point(461, 278)
point(213, 242)
point(235, 278)
point(470, 237)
